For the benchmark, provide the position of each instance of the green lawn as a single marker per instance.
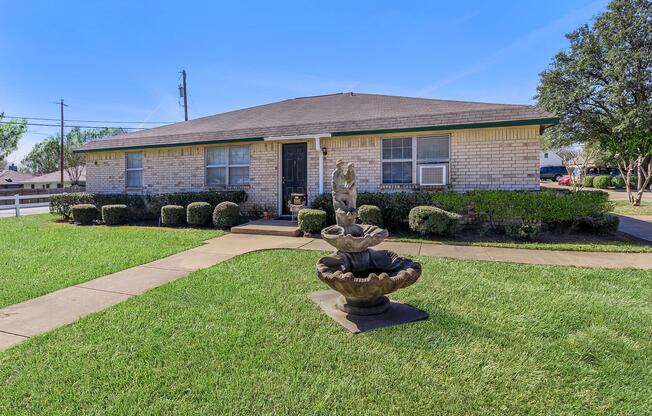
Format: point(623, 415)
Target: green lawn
point(243, 338)
point(588, 245)
point(625, 208)
point(40, 255)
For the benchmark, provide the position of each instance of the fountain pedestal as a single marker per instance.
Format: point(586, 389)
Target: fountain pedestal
point(361, 277)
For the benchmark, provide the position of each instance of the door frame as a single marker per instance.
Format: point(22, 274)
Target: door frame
point(280, 202)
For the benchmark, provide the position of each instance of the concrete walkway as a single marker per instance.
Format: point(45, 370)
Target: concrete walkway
point(35, 316)
point(639, 226)
point(4, 212)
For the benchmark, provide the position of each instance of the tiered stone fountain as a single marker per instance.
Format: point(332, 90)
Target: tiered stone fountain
point(361, 275)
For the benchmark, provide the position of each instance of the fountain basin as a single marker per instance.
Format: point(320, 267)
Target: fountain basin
point(354, 238)
point(364, 278)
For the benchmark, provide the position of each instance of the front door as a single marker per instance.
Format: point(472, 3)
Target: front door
point(295, 172)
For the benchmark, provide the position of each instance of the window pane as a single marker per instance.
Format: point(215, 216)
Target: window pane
point(216, 155)
point(239, 155)
point(397, 172)
point(215, 176)
point(239, 175)
point(134, 160)
point(432, 148)
point(134, 178)
point(400, 148)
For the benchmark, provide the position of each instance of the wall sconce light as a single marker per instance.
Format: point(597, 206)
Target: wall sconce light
point(324, 151)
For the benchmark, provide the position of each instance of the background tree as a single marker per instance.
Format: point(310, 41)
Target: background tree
point(601, 88)
point(44, 156)
point(10, 134)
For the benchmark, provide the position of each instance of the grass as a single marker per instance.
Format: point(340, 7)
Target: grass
point(625, 208)
point(40, 255)
point(615, 246)
point(243, 338)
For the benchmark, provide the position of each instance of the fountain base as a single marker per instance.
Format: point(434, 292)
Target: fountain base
point(363, 308)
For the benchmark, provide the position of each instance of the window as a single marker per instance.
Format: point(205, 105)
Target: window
point(134, 170)
point(545, 155)
point(401, 157)
point(397, 160)
point(227, 165)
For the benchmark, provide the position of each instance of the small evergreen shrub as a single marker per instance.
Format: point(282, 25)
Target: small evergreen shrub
point(199, 213)
point(84, 214)
point(523, 230)
point(602, 181)
point(617, 182)
point(226, 214)
point(370, 214)
point(172, 215)
point(115, 214)
point(587, 182)
point(600, 224)
point(433, 220)
point(312, 220)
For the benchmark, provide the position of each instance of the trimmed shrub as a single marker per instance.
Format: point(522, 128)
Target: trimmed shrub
point(433, 220)
point(617, 182)
point(602, 181)
point(226, 214)
point(141, 206)
point(115, 214)
point(84, 214)
point(370, 214)
point(199, 213)
point(172, 215)
point(523, 230)
point(312, 220)
point(587, 182)
point(600, 224)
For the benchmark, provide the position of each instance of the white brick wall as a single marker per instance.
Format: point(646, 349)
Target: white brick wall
point(496, 158)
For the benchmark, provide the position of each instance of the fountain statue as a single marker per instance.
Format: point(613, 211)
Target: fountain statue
point(361, 275)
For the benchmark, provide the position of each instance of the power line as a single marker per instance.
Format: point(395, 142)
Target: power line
point(79, 126)
point(93, 121)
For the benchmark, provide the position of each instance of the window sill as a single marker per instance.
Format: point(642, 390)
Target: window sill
point(134, 189)
point(414, 187)
point(228, 187)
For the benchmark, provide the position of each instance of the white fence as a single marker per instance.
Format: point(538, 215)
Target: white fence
point(17, 205)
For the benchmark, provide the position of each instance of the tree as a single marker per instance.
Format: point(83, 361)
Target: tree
point(576, 159)
point(601, 88)
point(10, 134)
point(44, 156)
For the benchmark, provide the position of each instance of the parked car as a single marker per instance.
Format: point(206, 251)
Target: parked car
point(565, 180)
point(552, 173)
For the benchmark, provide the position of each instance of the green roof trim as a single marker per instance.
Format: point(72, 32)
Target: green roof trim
point(155, 146)
point(509, 123)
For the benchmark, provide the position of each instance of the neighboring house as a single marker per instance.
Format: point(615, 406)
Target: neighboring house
point(272, 150)
point(550, 158)
point(52, 180)
point(12, 179)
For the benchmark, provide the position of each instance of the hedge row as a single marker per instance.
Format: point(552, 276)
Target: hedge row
point(141, 206)
point(605, 181)
point(494, 207)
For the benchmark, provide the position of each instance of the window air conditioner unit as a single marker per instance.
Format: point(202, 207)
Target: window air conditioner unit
point(433, 175)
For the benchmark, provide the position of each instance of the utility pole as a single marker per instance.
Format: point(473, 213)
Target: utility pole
point(183, 92)
point(61, 146)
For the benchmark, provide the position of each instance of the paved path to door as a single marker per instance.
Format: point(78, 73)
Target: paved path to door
point(21, 321)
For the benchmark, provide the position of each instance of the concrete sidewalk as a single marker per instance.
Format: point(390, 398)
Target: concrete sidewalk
point(35, 316)
point(639, 226)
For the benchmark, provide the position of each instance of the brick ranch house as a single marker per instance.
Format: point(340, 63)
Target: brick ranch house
point(272, 150)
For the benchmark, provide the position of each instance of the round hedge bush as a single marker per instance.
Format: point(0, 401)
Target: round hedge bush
point(199, 213)
point(84, 214)
point(602, 181)
point(172, 215)
point(311, 220)
point(587, 182)
point(115, 214)
point(226, 214)
point(618, 182)
point(370, 214)
point(433, 220)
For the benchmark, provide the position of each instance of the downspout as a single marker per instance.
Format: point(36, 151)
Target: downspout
point(321, 164)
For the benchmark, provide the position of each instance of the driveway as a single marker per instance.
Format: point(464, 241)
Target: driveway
point(24, 211)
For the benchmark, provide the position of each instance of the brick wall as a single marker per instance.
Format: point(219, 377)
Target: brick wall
point(496, 158)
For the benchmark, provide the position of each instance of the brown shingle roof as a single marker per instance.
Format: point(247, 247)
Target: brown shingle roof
point(9, 176)
point(335, 113)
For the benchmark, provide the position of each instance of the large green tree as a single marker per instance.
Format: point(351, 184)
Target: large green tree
point(45, 157)
point(10, 133)
point(601, 88)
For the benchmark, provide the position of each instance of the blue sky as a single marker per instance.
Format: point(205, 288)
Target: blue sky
point(119, 60)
